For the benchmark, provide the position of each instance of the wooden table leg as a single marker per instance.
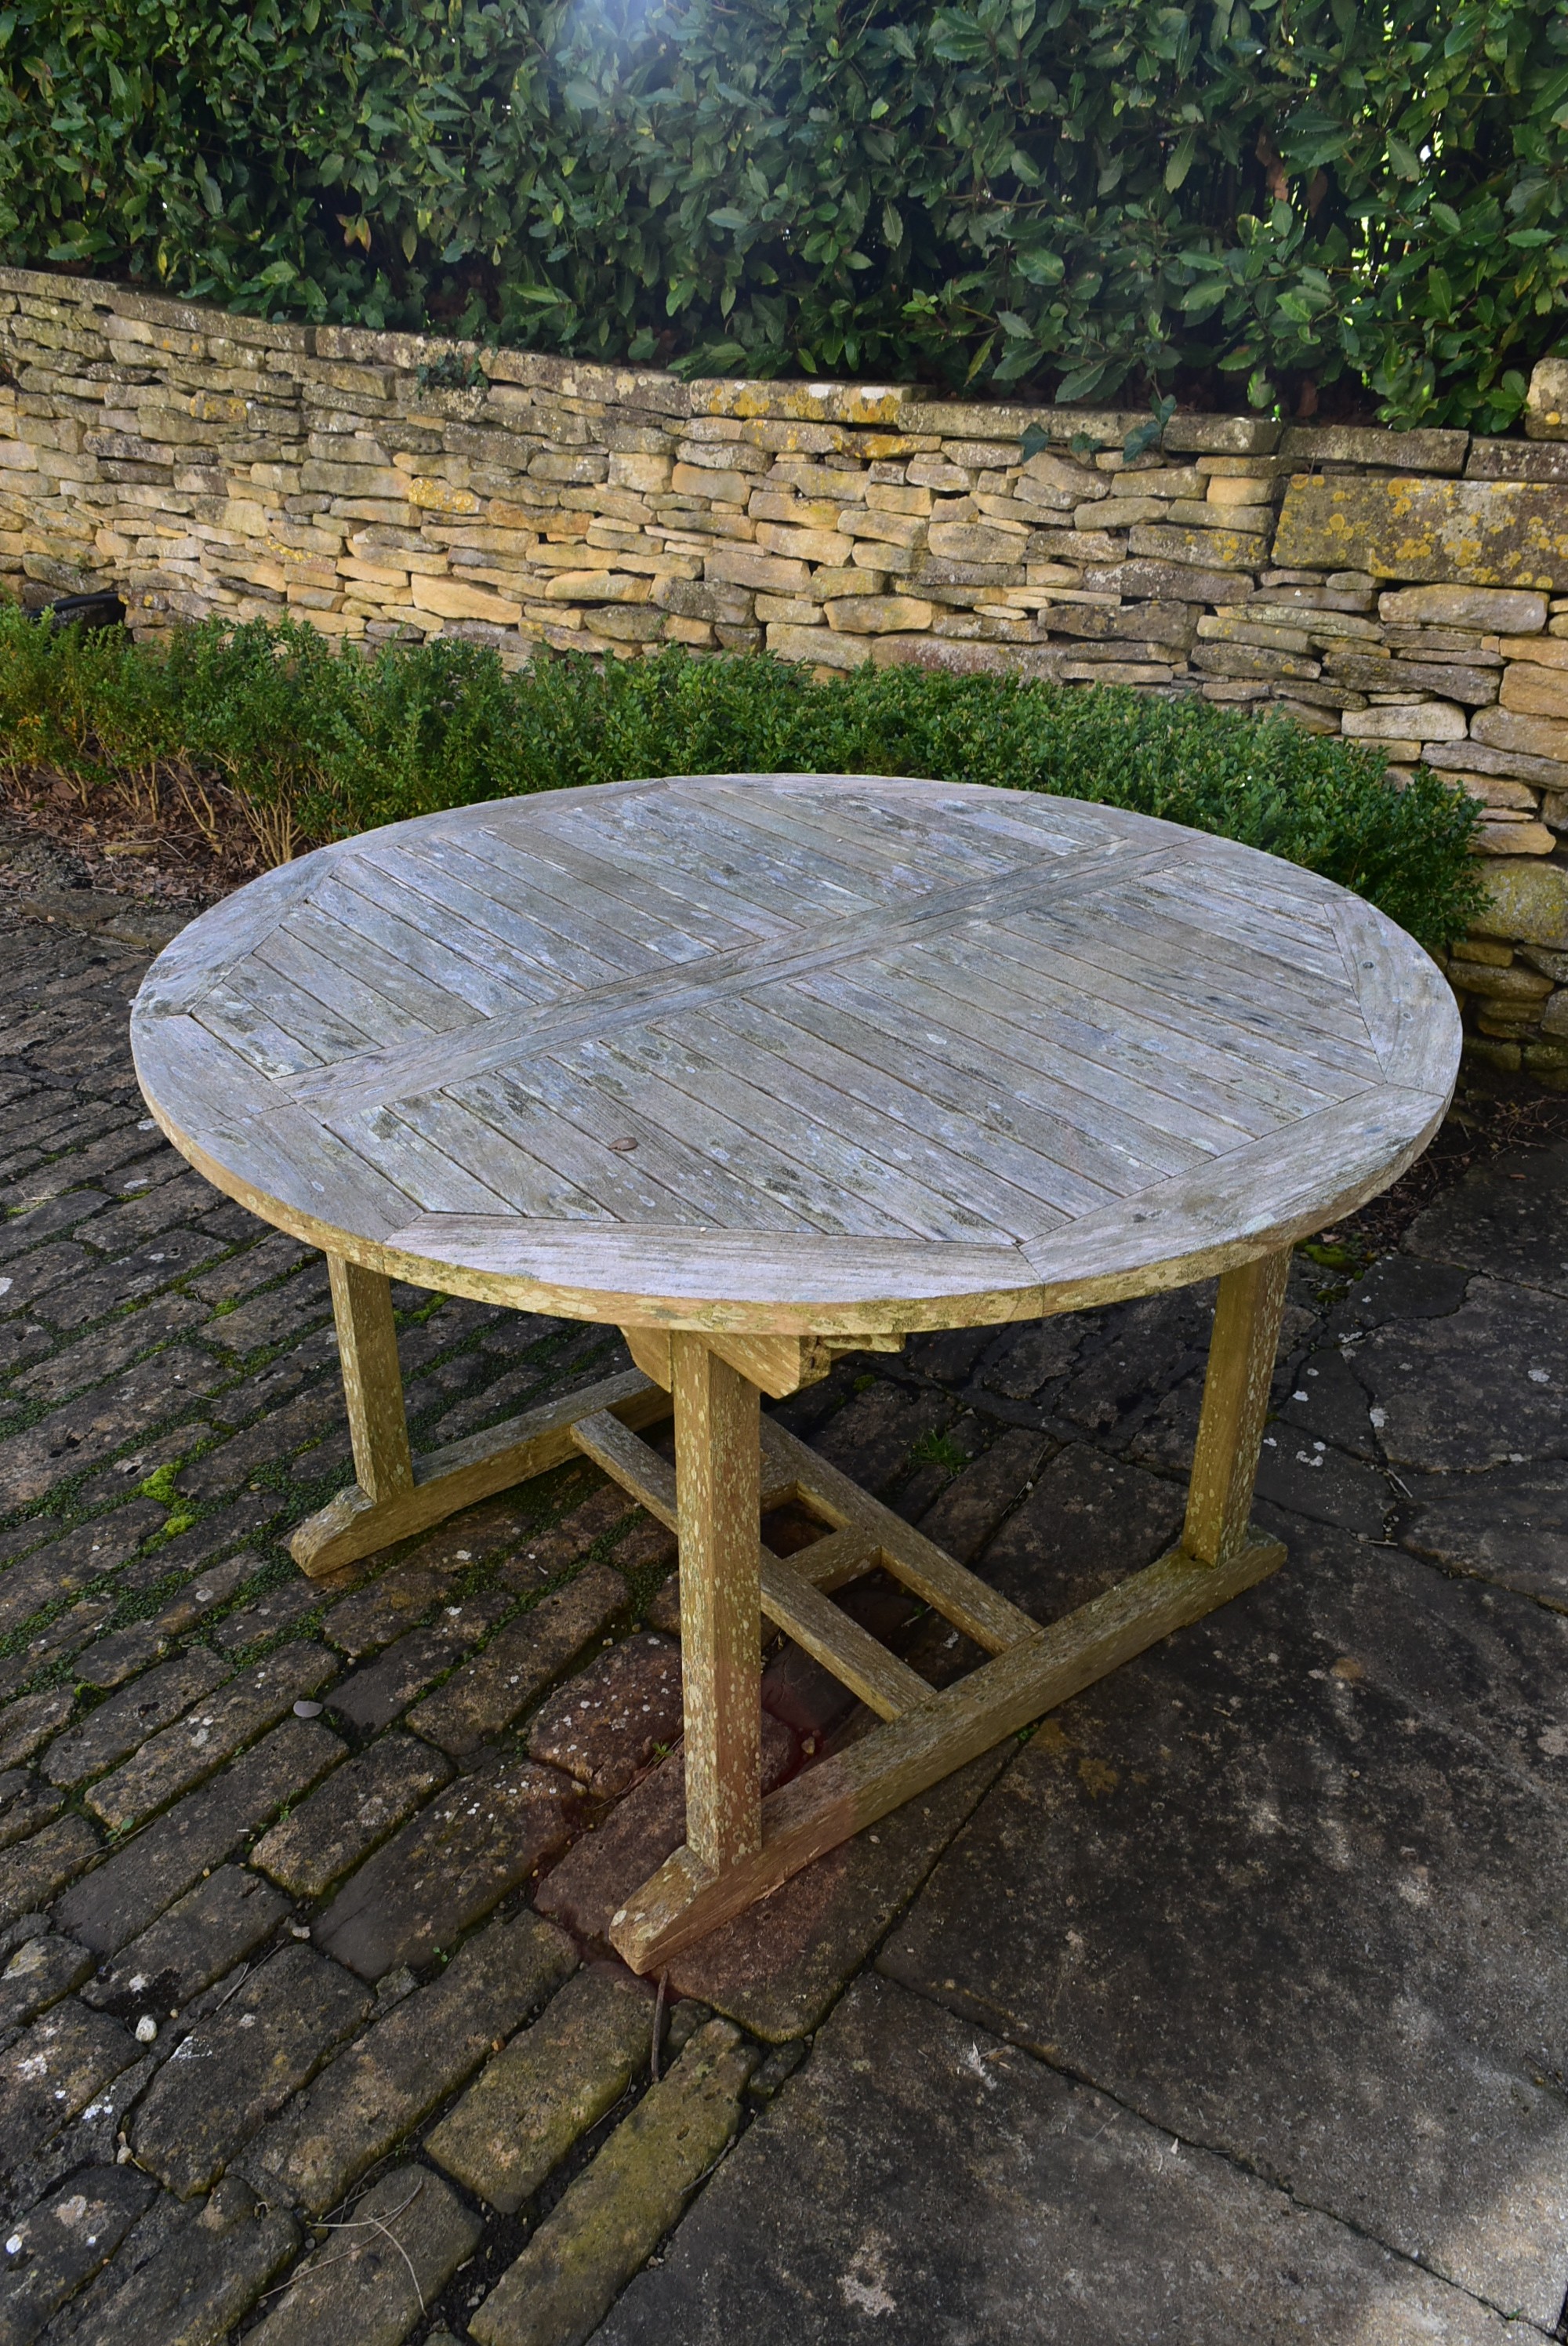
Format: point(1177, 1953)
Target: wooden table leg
point(396, 1493)
point(1235, 1404)
point(719, 1484)
point(373, 1381)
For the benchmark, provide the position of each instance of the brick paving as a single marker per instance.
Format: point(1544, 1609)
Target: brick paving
point(1229, 2004)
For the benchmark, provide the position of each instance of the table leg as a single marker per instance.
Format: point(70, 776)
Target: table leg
point(1235, 1404)
point(373, 1382)
point(718, 1482)
point(396, 1493)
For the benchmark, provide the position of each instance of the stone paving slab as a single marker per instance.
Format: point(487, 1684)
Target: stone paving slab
point(1364, 1902)
point(924, 2181)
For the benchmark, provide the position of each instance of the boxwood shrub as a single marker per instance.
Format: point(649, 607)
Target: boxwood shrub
point(311, 744)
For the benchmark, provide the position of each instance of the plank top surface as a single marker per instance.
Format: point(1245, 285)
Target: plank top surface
point(795, 1052)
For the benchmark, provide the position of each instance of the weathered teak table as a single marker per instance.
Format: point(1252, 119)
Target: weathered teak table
point(765, 1069)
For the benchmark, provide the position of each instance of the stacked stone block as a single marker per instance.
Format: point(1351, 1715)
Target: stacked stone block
point(1410, 590)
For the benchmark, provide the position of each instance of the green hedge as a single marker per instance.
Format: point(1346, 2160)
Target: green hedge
point(1084, 198)
point(313, 744)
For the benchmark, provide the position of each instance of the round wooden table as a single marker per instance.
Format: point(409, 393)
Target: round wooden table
point(765, 1069)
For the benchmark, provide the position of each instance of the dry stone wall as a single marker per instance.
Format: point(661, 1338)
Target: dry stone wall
point(1409, 588)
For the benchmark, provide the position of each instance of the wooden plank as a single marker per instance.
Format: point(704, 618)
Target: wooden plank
point(372, 1381)
point(216, 940)
point(584, 1110)
point(360, 927)
point(688, 1898)
point(653, 1076)
point(1098, 1127)
point(791, 1593)
point(1094, 1048)
point(632, 1462)
point(996, 1184)
point(353, 1526)
point(379, 872)
point(827, 1136)
point(979, 1611)
point(1410, 1009)
point(345, 992)
point(385, 1074)
point(807, 1282)
point(717, 1474)
point(343, 954)
point(1235, 1404)
point(794, 1604)
point(537, 1161)
point(1258, 1200)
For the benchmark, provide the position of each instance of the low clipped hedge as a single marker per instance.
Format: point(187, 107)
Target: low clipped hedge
point(309, 744)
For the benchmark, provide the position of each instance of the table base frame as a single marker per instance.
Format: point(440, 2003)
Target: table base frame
point(733, 1465)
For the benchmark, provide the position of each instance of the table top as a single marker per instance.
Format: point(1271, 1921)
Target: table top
point(829, 1054)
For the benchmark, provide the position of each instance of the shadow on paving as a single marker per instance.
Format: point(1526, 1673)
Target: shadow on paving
point(1229, 2005)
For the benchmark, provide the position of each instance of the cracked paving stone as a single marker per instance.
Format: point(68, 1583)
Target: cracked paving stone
point(37, 1870)
point(119, 1726)
point(1482, 1387)
point(1484, 1663)
point(1089, 1521)
point(75, 1561)
point(614, 1716)
point(92, 1428)
point(379, 1693)
point(1512, 1228)
point(51, 2073)
point(236, 2069)
point(923, 2182)
point(613, 2215)
point(1257, 1891)
point(38, 1975)
point(373, 2285)
point(30, 1809)
point(183, 1755)
point(1139, 1351)
point(459, 1857)
point(544, 2091)
point(404, 2065)
point(132, 1887)
point(1309, 1477)
point(600, 1871)
point(355, 1810)
point(1328, 1400)
point(203, 1936)
point(64, 2242)
point(489, 1692)
point(26, 1725)
point(1510, 1526)
point(198, 2281)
